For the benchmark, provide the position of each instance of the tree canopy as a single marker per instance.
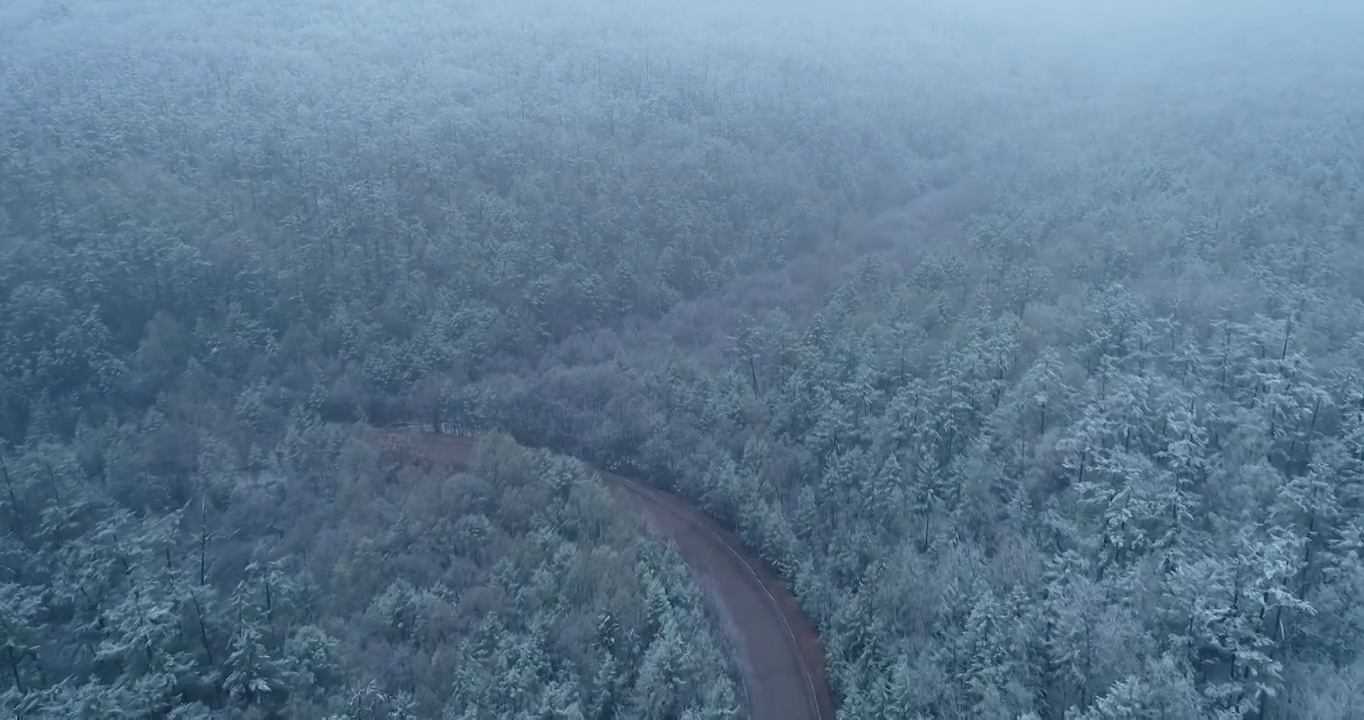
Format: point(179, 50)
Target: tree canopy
point(1024, 338)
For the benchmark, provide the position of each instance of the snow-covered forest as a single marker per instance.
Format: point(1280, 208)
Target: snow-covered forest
point(1026, 338)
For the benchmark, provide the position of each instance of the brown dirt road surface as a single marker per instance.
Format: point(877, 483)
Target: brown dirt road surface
point(778, 653)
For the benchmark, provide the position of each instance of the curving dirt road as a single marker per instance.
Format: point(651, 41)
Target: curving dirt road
point(779, 655)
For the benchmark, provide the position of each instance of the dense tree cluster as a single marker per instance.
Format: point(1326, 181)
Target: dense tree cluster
point(1031, 352)
point(445, 195)
point(343, 576)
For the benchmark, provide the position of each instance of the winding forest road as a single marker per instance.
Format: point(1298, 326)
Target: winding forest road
point(778, 651)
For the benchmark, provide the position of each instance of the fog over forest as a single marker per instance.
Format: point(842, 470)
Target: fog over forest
point(1023, 338)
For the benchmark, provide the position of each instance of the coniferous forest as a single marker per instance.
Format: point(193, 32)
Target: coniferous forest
point(1024, 338)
